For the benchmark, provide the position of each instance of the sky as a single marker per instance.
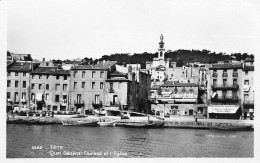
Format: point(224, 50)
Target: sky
point(70, 29)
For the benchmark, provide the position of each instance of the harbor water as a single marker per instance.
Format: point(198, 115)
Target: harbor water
point(56, 141)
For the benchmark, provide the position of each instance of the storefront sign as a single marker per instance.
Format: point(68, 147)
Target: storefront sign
point(222, 109)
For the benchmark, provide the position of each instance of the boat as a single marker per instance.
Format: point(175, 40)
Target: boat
point(79, 123)
point(106, 122)
point(111, 123)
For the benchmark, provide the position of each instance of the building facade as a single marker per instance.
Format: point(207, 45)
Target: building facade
point(18, 84)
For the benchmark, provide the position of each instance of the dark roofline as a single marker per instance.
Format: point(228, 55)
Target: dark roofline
point(225, 66)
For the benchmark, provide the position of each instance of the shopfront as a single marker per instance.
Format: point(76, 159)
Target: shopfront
point(224, 112)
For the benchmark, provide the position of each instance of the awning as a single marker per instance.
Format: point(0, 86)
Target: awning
point(185, 100)
point(39, 96)
point(223, 109)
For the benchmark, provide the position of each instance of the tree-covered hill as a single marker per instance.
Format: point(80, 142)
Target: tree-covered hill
point(180, 56)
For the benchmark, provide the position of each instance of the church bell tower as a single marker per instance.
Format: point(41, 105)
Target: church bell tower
point(161, 49)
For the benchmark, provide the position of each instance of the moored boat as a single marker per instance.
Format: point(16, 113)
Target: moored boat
point(79, 123)
point(111, 123)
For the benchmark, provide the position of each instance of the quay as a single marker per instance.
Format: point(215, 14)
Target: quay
point(171, 122)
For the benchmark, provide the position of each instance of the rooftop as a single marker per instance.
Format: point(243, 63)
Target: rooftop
point(226, 66)
point(21, 67)
point(51, 71)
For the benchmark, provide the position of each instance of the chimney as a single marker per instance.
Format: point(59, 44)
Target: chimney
point(43, 59)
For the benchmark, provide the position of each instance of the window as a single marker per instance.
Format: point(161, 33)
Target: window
point(57, 77)
point(32, 76)
point(78, 98)
point(24, 74)
point(32, 96)
point(40, 86)
point(111, 85)
point(83, 84)
point(47, 86)
point(75, 85)
point(8, 95)
point(16, 84)
point(246, 72)
point(24, 84)
point(16, 73)
point(23, 95)
point(65, 77)
point(55, 108)
point(234, 82)
point(57, 98)
point(83, 74)
point(93, 85)
point(93, 74)
point(101, 74)
point(15, 96)
point(57, 87)
point(32, 86)
point(75, 74)
point(96, 99)
point(8, 73)
point(64, 87)
point(47, 64)
point(224, 82)
point(246, 82)
point(40, 76)
point(64, 97)
point(8, 83)
point(47, 96)
point(101, 85)
point(47, 77)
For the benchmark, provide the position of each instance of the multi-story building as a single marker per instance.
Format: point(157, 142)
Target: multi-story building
point(225, 89)
point(247, 94)
point(49, 89)
point(178, 98)
point(18, 80)
point(88, 86)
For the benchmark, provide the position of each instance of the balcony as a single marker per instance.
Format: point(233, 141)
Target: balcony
point(235, 74)
point(112, 103)
point(225, 74)
point(97, 104)
point(111, 90)
point(225, 87)
point(228, 99)
point(215, 74)
point(79, 102)
point(248, 103)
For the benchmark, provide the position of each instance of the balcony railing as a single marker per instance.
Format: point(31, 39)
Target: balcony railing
point(248, 102)
point(177, 96)
point(225, 74)
point(79, 102)
point(235, 74)
point(114, 103)
point(215, 74)
point(111, 90)
point(97, 104)
point(231, 99)
point(225, 86)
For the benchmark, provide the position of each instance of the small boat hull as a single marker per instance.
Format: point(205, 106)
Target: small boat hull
point(111, 123)
point(79, 123)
